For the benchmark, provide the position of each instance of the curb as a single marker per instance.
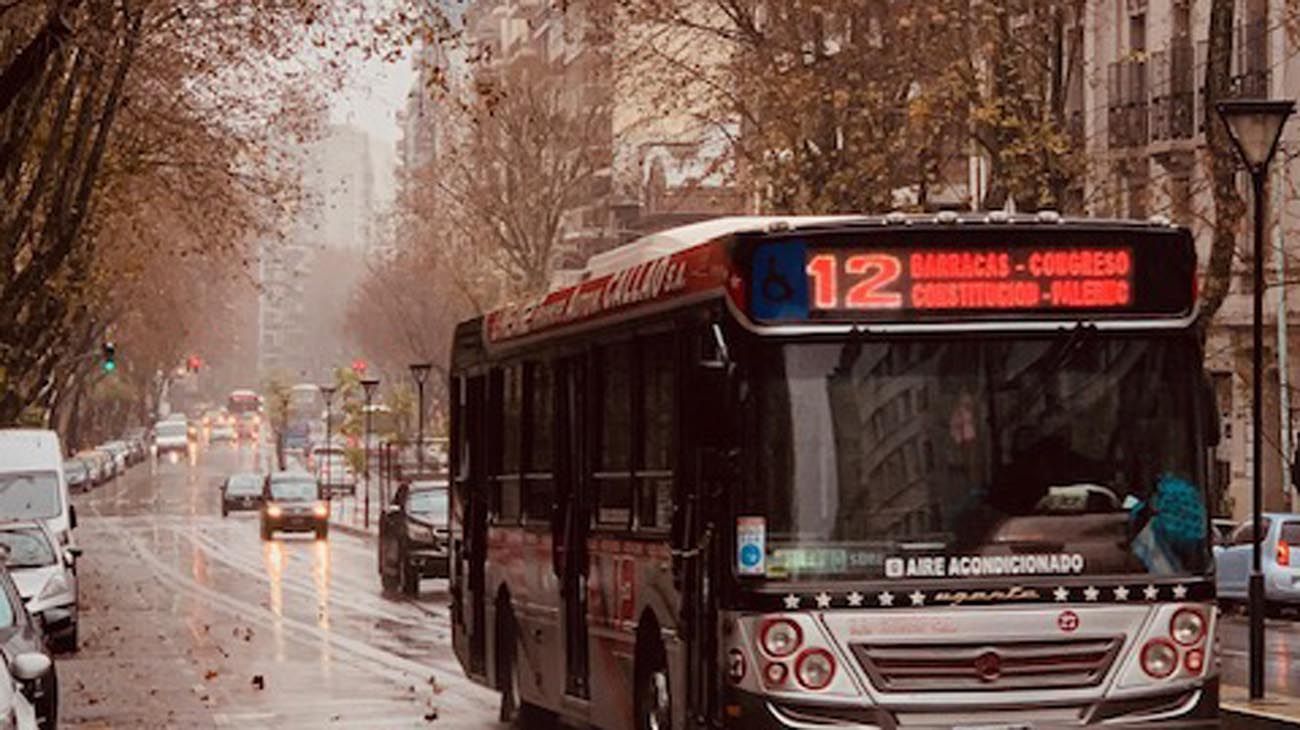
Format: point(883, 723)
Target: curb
point(353, 530)
point(1236, 717)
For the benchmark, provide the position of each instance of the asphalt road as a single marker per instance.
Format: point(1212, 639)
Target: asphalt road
point(189, 620)
point(1282, 653)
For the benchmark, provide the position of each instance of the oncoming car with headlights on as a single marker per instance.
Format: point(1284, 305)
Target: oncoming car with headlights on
point(46, 579)
point(292, 502)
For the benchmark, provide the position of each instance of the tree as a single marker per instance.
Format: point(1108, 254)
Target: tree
point(1220, 158)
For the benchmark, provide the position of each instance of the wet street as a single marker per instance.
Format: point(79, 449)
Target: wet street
point(1282, 643)
point(189, 620)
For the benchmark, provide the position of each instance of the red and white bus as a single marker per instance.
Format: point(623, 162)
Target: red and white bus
point(843, 472)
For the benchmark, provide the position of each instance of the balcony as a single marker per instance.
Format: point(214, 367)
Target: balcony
point(1173, 103)
point(1127, 89)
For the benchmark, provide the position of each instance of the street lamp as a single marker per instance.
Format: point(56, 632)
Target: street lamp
point(369, 385)
point(327, 392)
point(1255, 126)
point(420, 371)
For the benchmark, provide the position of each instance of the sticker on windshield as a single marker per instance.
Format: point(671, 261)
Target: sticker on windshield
point(970, 566)
point(751, 545)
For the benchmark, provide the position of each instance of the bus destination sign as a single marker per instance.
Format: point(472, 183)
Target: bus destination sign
point(798, 281)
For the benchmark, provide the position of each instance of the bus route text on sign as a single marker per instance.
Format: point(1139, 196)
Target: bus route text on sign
point(846, 282)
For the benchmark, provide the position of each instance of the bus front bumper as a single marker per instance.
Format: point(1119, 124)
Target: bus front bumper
point(1183, 710)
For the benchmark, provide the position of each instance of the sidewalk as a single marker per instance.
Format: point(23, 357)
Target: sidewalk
point(348, 514)
point(1274, 711)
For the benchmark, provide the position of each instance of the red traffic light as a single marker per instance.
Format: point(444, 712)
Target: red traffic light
point(194, 363)
point(359, 366)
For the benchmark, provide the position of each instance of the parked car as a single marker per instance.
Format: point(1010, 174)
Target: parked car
point(46, 578)
point(241, 492)
point(94, 466)
point(31, 670)
point(413, 536)
point(32, 486)
point(292, 501)
point(1232, 561)
point(77, 472)
point(119, 452)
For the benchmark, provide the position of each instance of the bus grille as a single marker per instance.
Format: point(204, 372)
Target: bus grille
point(983, 666)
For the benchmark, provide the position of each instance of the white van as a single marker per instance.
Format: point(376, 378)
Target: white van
point(32, 485)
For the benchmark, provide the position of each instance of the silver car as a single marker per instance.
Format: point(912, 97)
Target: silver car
point(1280, 550)
point(46, 579)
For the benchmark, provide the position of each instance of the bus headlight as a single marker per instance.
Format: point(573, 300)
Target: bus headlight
point(781, 637)
point(1187, 626)
point(816, 668)
point(1159, 658)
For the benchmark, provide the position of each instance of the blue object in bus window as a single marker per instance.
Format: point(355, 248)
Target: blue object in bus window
point(779, 285)
point(1180, 517)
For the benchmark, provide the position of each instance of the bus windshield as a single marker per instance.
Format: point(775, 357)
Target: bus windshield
point(1070, 454)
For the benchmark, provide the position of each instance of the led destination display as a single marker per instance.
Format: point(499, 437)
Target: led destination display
point(844, 282)
point(1032, 279)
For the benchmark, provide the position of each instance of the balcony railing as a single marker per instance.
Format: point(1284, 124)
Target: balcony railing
point(1173, 104)
point(1128, 93)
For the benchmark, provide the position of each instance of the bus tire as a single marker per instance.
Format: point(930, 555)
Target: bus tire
point(653, 700)
point(516, 712)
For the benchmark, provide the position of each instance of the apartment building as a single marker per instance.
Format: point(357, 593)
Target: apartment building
point(1142, 110)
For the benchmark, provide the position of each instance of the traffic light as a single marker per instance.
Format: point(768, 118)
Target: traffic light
point(194, 363)
point(359, 366)
point(110, 357)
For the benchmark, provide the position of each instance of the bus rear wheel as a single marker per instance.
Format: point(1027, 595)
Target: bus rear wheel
point(518, 713)
point(654, 706)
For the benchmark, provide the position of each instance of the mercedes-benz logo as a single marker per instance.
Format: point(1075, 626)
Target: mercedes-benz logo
point(988, 666)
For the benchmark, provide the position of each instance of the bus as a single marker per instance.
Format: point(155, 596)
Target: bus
point(894, 471)
point(243, 402)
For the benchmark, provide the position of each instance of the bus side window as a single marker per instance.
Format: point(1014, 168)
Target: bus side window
point(612, 478)
point(508, 477)
point(658, 420)
point(539, 441)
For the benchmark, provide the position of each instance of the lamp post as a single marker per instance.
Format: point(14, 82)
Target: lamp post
point(420, 372)
point(1255, 126)
point(327, 392)
point(369, 385)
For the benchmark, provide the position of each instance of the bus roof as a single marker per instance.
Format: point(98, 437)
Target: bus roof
point(690, 262)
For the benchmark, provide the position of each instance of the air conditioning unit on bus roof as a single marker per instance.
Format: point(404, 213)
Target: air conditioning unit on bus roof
point(669, 241)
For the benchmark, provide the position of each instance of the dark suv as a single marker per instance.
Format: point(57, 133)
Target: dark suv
point(413, 536)
point(292, 502)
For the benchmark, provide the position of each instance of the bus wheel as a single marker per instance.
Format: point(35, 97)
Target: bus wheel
point(518, 713)
point(653, 692)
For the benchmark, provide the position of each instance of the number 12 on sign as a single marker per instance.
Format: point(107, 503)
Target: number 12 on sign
point(873, 275)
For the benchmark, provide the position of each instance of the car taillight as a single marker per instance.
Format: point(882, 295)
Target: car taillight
point(1159, 658)
point(1283, 553)
point(1187, 627)
point(781, 637)
point(815, 669)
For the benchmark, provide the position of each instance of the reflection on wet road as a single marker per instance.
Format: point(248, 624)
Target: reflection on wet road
point(191, 620)
point(1282, 659)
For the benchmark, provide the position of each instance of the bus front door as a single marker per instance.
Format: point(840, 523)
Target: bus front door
point(572, 520)
point(476, 512)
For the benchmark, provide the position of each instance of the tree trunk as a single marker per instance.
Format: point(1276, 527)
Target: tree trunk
point(1229, 208)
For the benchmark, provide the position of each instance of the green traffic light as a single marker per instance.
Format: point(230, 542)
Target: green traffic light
point(109, 366)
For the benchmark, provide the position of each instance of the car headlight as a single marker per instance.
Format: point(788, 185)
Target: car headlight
point(273, 511)
point(320, 510)
point(419, 533)
point(53, 587)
